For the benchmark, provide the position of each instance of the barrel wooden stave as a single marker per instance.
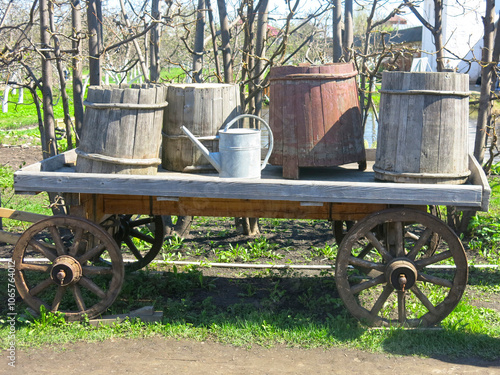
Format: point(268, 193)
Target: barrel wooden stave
point(316, 121)
point(121, 135)
point(423, 137)
point(203, 109)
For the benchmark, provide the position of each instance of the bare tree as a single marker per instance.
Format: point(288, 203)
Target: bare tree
point(77, 66)
point(94, 21)
point(490, 57)
point(337, 30)
point(50, 146)
point(436, 29)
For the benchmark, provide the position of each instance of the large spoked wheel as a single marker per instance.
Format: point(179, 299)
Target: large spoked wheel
point(74, 281)
point(143, 236)
point(390, 271)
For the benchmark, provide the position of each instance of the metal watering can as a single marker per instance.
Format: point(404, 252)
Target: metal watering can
point(239, 150)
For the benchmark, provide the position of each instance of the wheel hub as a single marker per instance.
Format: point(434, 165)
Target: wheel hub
point(66, 271)
point(401, 274)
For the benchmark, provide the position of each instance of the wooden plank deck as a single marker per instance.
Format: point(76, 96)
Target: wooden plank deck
point(326, 185)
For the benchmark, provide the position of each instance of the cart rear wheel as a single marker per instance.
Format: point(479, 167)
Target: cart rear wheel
point(143, 235)
point(389, 271)
point(71, 281)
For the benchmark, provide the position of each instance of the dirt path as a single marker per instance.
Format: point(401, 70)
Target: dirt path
point(169, 356)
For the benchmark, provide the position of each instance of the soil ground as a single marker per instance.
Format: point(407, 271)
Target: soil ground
point(169, 356)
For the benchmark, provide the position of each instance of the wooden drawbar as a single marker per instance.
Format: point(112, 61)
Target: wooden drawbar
point(315, 116)
point(122, 130)
point(422, 136)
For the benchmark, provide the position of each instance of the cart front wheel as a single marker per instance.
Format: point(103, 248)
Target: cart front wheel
point(390, 271)
point(65, 272)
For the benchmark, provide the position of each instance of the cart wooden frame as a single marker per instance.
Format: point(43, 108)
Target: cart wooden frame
point(386, 254)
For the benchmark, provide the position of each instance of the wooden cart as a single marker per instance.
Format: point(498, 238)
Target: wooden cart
point(385, 269)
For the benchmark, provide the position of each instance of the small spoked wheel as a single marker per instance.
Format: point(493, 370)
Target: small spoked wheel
point(390, 271)
point(58, 265)
point(143, 236)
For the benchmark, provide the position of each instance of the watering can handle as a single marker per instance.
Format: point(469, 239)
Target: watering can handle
point(270, 134)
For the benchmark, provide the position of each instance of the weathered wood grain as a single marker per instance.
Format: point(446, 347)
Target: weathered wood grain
point(423, 128)
point(315, 117)
point(122, 140)
point(203, 109)
point(337, 185)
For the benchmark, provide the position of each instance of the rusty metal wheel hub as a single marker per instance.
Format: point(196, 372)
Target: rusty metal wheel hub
point(401, 273)
point(66, 270)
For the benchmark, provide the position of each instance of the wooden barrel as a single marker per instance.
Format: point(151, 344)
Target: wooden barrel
point(203, 108)
point(422, 136)
point(315, 116)
point(122, 130)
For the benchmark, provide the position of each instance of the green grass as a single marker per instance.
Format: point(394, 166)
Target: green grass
point(22, 115)
point(314, 321)
point(36, 204)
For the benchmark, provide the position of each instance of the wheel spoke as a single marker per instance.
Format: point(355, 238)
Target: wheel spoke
point(41, 287)
point(56, 236)
point(96, 270)
point(133, 248)
point(422, 240)
point(355, 261)
point(35, 267)
point(77, 293)
point(73, 250)
point(388, 289)
point(421, 263)
point(401, 307)
point(365, 251)
point(400, 251)
point(92, 253)
point(423, 298)
point(434, 280)
point(381, 249)
point(355, 289)
point(139, 222)
point(58, 298)
point(141, 236)
point(90, 285)
point(38, 246)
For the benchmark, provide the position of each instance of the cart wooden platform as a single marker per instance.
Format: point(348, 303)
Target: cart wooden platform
point(385, 263)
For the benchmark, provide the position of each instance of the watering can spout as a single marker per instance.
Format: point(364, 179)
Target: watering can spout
point(213, 157)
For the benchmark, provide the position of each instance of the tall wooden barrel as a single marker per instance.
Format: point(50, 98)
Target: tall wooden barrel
point(203, 108)
point(422, 136)
point(315, 116)
point(122, 130)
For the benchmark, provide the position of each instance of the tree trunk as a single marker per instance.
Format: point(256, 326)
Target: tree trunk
point(438, 34)
point(77, 68)
point(260, 53)
point(93, 20)
point(50, 147)
point(199, 42)
point(226, 46)
point(208, 6)
point(484, 113)
point(337, 30)
point(62, 78)
point(348, 30)
point(154, 49)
